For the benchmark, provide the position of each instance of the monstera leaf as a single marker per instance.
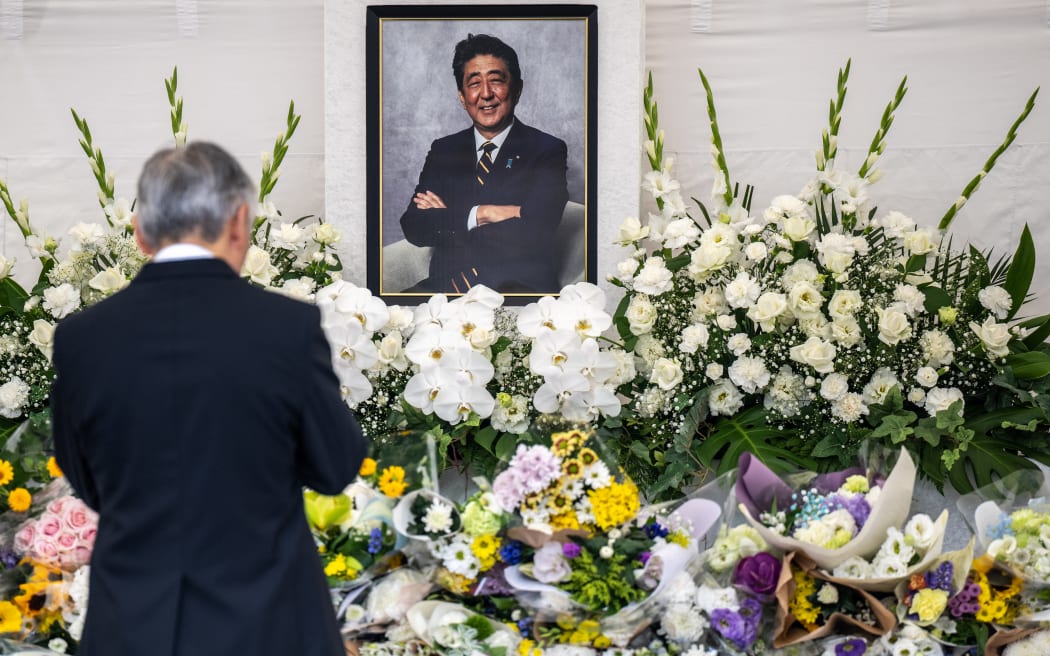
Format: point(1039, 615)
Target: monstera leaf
point(749, 432)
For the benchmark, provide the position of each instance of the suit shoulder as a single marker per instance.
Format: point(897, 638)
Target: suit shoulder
point(541, 138)
point(453, 140)
point(280, 304)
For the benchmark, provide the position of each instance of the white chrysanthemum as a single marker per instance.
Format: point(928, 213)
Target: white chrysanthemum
point(438, 518)
point(459, 558)
point(654, 278)
point(938, 399)
point(742, 291)
point(682, 623)
point(749, 374)
point(596, 475)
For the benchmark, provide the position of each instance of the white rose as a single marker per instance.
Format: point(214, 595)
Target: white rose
point(654, 278)
point(326, 234)
point(756, 251)
point(767, 309)
point(798, 228)
point(894, 326)
point(938, 399)
point(714, 371)
point(109, 280)
point(631, 230)
point(994, 299)
point(919, 241)
point(14, 395)
point(681, 232)
point(707, 259)
point(926, 376)
point(816, 353)
point(846, 332)
point(257, 266)
point(709, 302)
point(43, 337)
point(641, 315)
point(725, 321)
point(61, 301)
point(994, 336)
point(844, 304)
point(391, 351)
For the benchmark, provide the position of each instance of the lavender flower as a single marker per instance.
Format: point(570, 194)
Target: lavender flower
point(941, 578)
point(570, 550)
point(732, 626)
point(851, 647)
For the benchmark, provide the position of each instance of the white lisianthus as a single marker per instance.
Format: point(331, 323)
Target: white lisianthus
point(880, 384)
point(805, 300)
point(726, 322)
point(853, 567)
point(844, 304)
point(749, 374)
point(61, 301)
point(834, 386)
point(654, 278)
point(994, 336)
point(769, 307)
point(894, 326)
point(666, 374)
point(257, 266)
point(725, 399)
point(816, 353)
point(921, 531)
point(694, 337)
point(938, 399)
point(996, 300)
point(641, 315)
point(709, 302)
point(800, 271)
point(680, 233)
point(742, 291)
point(738, 343)
point(707, 259)
point(43, 337)
point(14, 395)
point(109, 280)
point(926, 376)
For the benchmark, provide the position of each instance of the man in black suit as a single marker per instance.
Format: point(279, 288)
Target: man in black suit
point(490, 197)
point(189, 410)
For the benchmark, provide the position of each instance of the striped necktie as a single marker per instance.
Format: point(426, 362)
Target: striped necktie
point(485, 162)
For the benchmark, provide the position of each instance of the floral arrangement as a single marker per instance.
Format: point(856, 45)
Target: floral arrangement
point(804, 329)
point(470, 372)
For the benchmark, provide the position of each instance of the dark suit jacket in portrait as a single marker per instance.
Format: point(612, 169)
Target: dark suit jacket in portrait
point(189, 409)
point(512, 256)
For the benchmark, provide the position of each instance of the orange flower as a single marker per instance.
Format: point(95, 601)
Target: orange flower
point(19, 499)
point(53, 469)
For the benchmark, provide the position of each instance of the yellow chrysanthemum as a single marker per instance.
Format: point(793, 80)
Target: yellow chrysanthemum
point(336, 566)
point(53, 470)
point(528, 648)
point(392, 482)
point(7, 472)
point(565, 520)
point(485, 546)
point(368, 467)
point(19, 499)
point(588, 456)
point(800, 605)
point(453, 582)
point(614, 504)
point(678, 537)
point(10, 618)
point(572, 467)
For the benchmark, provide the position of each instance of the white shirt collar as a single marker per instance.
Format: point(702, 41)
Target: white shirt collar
point(176, 252)
point(498, 140)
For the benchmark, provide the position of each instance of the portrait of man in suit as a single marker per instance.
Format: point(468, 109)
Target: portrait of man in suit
point(485, 176)
point(189, 410)
point(490, 197)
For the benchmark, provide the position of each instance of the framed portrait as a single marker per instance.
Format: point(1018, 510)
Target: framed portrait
point(482, 142)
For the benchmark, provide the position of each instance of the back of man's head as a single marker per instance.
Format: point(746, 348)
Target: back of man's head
point(483, 44)
point(190, 191)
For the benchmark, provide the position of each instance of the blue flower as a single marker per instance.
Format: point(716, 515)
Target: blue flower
point(375, 541)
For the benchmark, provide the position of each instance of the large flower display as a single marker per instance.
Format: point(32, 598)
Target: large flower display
point(804, 329)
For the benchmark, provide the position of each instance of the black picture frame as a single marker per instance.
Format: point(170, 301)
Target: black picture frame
point(412, 100)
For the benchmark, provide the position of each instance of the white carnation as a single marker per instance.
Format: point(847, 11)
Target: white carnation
point(61, 301)
point(654, 278)
point(694, 337)
point(14, 395)
point(749, 374)
point(742, 291)
point(938, 399)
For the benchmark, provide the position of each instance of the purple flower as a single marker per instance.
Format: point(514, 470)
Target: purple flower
point(758, 574)
point(731, 626)
point(570, 550)
point(751, 611)
point(858, 508)
point(375, 540)
point(851, 647)
point(645, 556)
point(941, 578)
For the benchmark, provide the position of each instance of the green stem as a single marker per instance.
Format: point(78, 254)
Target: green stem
point(967, 192)
point(878, 142)
point(830, 138)
point(716, 140)
point(98, 164)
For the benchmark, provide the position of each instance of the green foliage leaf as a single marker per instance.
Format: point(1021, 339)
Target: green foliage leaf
point(1030, 365)
point(1022, 267)
point(897, 427)
point(936, 298)
point(748, 432)
point(12, 295)
point(506, 446)
point(1041, 330)
point(485, 437)
point(985, 460)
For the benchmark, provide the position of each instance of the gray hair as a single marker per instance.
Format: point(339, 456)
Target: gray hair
point(193, 190)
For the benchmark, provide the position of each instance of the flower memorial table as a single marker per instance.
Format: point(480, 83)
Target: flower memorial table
point(723, 463)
